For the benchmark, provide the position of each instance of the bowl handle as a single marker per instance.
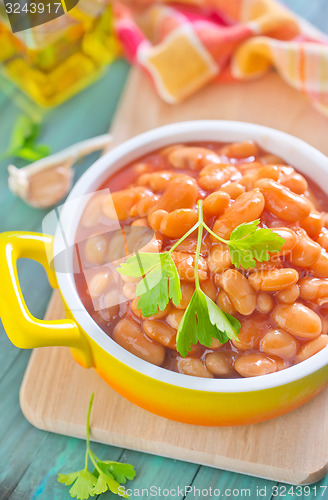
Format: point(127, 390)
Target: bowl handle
point(23, 329)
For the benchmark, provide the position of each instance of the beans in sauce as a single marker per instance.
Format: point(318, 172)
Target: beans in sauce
point(282, 304)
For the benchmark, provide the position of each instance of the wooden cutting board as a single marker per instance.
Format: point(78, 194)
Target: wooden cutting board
point(55, 390)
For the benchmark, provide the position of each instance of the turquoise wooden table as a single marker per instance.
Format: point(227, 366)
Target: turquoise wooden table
point(30, 459)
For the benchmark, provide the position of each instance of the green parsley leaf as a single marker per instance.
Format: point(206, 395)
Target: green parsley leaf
point(160, 283)
point(83, 483)
point(106, 482)
point(249, 243)
point(22, 143)
point(140, 264)
point(121, 472)
point(202, 322)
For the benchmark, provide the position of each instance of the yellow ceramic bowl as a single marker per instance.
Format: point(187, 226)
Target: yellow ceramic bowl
point(172, 395)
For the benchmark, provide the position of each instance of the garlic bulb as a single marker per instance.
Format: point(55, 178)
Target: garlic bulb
point(46, 182)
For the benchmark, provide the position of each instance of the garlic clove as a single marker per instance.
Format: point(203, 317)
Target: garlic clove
point(41, 189)
point(46, 182)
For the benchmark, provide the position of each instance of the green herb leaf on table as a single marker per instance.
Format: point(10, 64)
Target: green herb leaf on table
point(106, 476)
point(249, 244)
point(160, 283)
point(22, 143)
point(83, 483)
point(202, 322)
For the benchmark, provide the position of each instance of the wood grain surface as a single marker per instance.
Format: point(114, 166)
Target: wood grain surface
point(292, 448)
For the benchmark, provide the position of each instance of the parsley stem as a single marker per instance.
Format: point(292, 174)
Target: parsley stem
point(199, 241)
point(215, 235)
point(88, 418)
point(88, 450)
point(177, 243)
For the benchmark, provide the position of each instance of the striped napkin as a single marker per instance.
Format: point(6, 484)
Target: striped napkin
point(185, 45)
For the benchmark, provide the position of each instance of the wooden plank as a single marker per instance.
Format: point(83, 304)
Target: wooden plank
point(268, 101)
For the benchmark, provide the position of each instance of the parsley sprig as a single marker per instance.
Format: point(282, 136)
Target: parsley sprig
point(23, 141)
point(203, 320)
point(106, 476)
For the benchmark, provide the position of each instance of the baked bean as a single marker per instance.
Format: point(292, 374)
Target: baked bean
point(324, 322)
point(224, 302)
point(209, 289)
point(214, 175)
point(143, 206)
point(168, 149)
point(313, 288)
point(248, 180)
point(310, 348)
point(194, 367)
point(289, 295)
point(306, 251)
point(234, 189)
point(138, 313)
point(98, 283)
point(273, 280)
point(141, 168)
point(298, 320)
point(177, 223)
point(282, 202)
point(322, 239)
point(192, 157)
point(248, 207)
point(295, 182)
point(273, 263)
point(187, 290)
point(241, 293)
point(215, 344)
point(320, 266)
point(142, 222)
point(250, 333)
point(95, 249)
point(189, 245)
point(128, 334)
point(271, 159)
point(216, 203)
point(118, 205)
point(290, 239)
point(185, 264)
point(157, 181)
point(264, 302)
point(250, 166)
point(109, 306)
point(219, 259)
point(254, 365)
point(220, 363)
point(160, 332)
point(93, 210)
point(325, 218)
point(182, 192)
point(129, 290)
point(174, 317)
point(155, 219)
point(154, 245)
point(268, 172)
point(312, 224)
point(240, 149)
point(279, 343)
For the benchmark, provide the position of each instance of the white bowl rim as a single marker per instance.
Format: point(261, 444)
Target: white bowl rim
point(292, 149)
